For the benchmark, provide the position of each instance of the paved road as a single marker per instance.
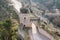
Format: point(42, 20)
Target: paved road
point(38, 36)
point(35, 35)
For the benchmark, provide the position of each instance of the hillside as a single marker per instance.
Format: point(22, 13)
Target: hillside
point(5, 9)
point(48, 4)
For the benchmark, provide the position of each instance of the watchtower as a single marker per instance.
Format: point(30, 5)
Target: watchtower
point(24, 17)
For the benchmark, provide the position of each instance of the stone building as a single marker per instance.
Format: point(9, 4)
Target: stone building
point(24, 17)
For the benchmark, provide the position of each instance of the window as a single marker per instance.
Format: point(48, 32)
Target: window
point(24, 18)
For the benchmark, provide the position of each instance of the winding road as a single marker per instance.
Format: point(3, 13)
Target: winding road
point(36, 35)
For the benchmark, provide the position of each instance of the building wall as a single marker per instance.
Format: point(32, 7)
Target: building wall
point(25, 20)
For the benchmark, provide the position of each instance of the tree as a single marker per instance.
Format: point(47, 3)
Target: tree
point(5, 21)
point(7, 25)
point(5, 29)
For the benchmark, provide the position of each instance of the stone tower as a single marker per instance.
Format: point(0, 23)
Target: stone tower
point(24, 17)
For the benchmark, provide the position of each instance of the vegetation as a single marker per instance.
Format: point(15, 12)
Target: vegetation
point(5, 33)
point(51, 30)
point(9, 27)
point(8, 31)
point(6, 25)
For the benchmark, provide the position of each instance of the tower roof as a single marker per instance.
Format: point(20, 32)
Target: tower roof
point(24, 11)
